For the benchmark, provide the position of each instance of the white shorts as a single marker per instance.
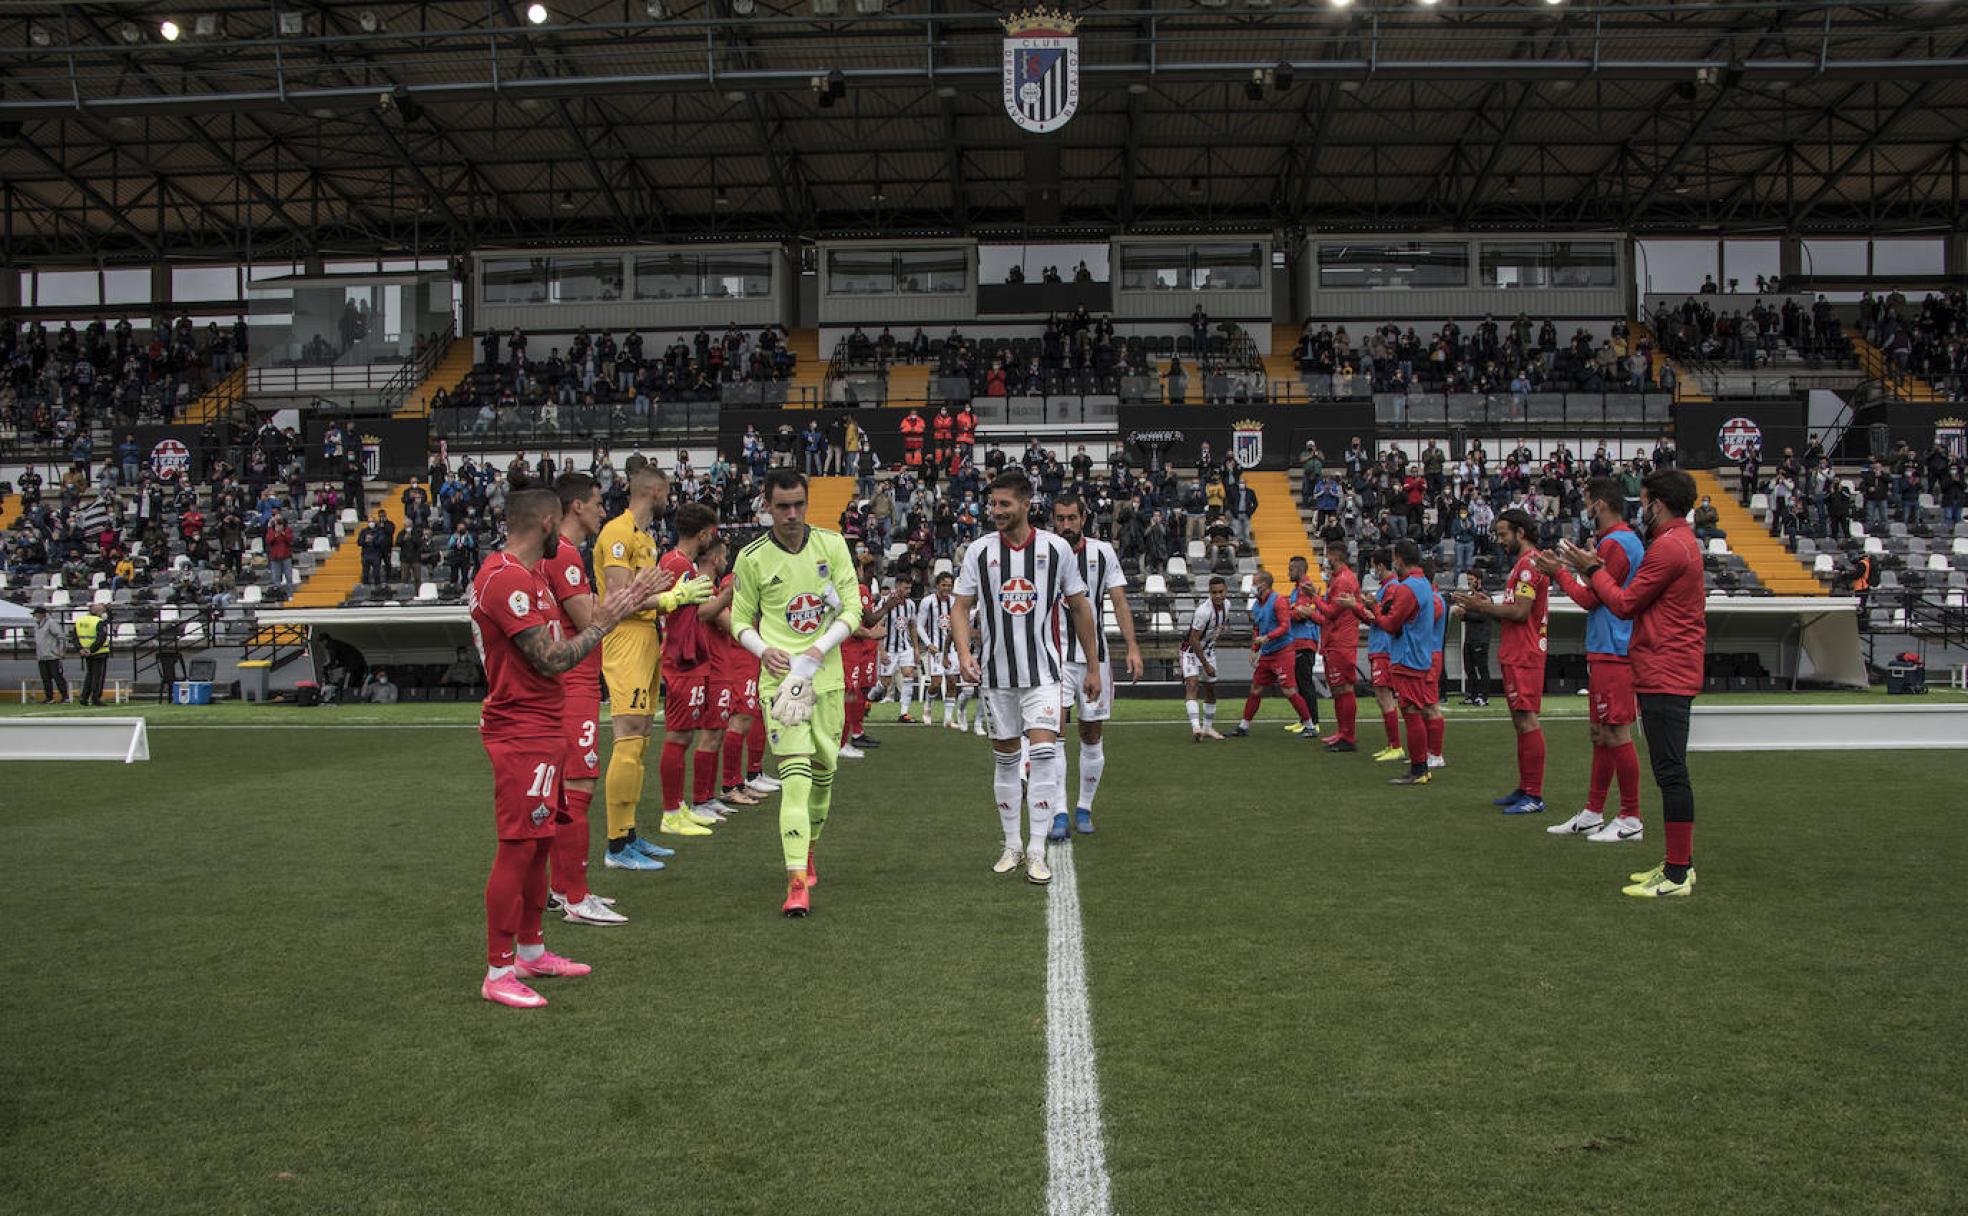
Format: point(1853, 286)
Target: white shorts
point(1016, 711)
point(1192, 666)
point(936, 666)
point(893, 661)
point(1072, 694)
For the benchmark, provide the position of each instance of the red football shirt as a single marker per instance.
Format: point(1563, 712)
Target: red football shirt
point(1523, 643)
point(858, 650)
point(686, 641)
point(508, 599)
point(567, 576)
point(727, 656)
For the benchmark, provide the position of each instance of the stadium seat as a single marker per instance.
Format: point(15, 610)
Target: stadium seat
point(427, 593)
point(58, 598)
point(349, 518)
point(1936, 561)
point(942, 567)
point(1717, 547)
point(1247, 584)
point(1823, 566)
point(251, 594)
point(322, 546)
point(101, 597)
point(1875, 547)
point(1759, 504)
point(125, 634)
point(1155, 584)
point(1961, 546)
point(1196, 551)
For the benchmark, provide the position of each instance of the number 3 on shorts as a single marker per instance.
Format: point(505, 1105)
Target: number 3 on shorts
point(587, 735)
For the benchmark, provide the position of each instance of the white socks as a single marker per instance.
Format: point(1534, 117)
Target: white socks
point(1047, 788)
point(1093, 762)
point(1209, 714)
point(1008, 785)
point(905, 688)
point(530, 953)
point(497, 973)
point(1195, 715)
point(949, 709)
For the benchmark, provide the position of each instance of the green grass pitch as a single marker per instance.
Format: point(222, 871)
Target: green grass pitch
point(244, 980)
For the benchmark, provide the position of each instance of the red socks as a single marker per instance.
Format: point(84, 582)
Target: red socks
point(1392, 722)
point(1250, 706)
point(1417, 738)
point(1680, 842)
point(755, 747)
point(1602, 778)
point(1299, 706)
point(706, 785)
point(1626, 766)
point(670, 767)
point(1530, 763)
point(1346, 708)
point(1437, 728)
point(857, 712)
point(515, 896)
point(570, 847)
point(734, 759)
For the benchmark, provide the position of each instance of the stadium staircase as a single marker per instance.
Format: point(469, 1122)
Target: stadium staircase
point(10, 511)
point(908, 385)
point(212, 405)
point(1684, 388)
point(1875, 364)
point(1773, 565)
point(448, 372)
point(337, 576)
point(826, 498)
point(1278, 531)
point(1279, 364)
point(810, 370)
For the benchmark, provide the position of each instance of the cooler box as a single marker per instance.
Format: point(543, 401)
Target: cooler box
point(191, 692)
point(1906, 681)
point(254, 675)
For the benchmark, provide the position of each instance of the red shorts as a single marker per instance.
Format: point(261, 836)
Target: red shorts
point(1342, 670)
point(1435, 669)
point(1523, 687)
point(583, 722)
point(1275, 669)
point(687, 700)
point(1416, 689)
point(1377, 668)
point(859, 669)
point(1610, 681)
point(526, 785)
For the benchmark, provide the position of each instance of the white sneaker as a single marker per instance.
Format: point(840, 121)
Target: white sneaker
point(1624, 827)
point(764, 785)
point(1437, 762)
point(1008, 861)
point(1578, 825)
point(850, 752)
point(592, 911)
point(979, 729)
point(1210, 732)
point(956, 726)
point(1035, 867)
point(711, 808)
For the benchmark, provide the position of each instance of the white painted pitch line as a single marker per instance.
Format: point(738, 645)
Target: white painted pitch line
point(1076, 1155)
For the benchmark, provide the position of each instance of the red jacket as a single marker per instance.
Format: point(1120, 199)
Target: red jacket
point(1667, 602)
point(1339, 629)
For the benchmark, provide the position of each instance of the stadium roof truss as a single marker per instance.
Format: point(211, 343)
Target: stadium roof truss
point(316, 126)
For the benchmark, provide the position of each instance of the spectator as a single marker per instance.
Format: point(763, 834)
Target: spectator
point(378, 690)
point(279, 541)
point(1707, 521)
point(464, 671)
point(50, 643)
point(376, 540)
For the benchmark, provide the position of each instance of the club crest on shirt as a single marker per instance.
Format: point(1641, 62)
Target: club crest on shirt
point(541, 814)
point(520, 603)
point(803, 612)
point(1017, 596)
point(821, 568)
point(573, 576)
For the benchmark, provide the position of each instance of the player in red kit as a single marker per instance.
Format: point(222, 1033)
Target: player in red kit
point(1668, 606)
point(566, 573)
point(523, 641)
point(734, 690)
point(1521, 648)
point(687, 672)
point(1405, 612)
point(1339, 641)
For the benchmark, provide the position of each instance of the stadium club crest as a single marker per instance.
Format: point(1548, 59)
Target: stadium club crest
point(1041, 69)
point(1952, 435)
point(170, 459)
point(1247, 442)
point(372, 457)
point(1733, 438)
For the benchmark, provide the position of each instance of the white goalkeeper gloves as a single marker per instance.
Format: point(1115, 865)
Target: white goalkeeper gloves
point(793, 704)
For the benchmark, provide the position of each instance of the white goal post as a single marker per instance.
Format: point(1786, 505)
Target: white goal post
point(124, 739)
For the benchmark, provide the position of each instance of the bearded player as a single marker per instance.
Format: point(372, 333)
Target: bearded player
point(522, 640)
point(795, 601)
point(1100, 570)
point(1521, 648)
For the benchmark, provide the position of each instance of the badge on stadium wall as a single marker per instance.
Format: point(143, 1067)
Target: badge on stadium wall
point(1041, 69)
point(1952, 435)
point(1247, 442)
point(170, 459)
point(372, 457)
point(1733, 438)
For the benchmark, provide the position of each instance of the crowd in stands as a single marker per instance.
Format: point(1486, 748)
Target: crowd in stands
point(1809, 498)
point(1693, 330)
point(57, 387)
point(1930, 341)
point(1517, 358)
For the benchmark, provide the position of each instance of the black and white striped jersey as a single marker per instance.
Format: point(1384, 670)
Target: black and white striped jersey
point(1100, 569)
point(933, 625)
point(1021, 593)
point(901, 638)
point(1208, 625)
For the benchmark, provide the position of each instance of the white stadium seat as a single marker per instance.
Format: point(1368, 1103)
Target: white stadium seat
point(1823, 565)
point(1961, 546)
point(1154, 584)
point(1717, 547)
point(426, 593)
point(251, 594)
point(1937, 561)
point(58, 598)
point(321, 545)
point(1875, 546)
point(1177, 567)
point(1759, 503)
point(349, 517)
point(103, 597)
point(1248, 583)
point(1195, 551)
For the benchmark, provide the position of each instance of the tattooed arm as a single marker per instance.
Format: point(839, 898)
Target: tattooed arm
point(550, 657)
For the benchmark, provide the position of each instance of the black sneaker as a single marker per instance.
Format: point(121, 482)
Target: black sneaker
point(864, 742)
point(1342, 745)
point(1239, 732)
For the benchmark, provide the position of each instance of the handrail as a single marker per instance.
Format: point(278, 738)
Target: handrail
point(399, 387)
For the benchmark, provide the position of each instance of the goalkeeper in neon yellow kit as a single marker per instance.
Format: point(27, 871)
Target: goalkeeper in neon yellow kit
point(794, 600)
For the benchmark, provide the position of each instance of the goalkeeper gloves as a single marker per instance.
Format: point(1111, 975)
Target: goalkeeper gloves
point(693, 590)
point(793, 704)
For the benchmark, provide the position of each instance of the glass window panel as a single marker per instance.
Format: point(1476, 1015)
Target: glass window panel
point(860, 272)
point(514, 282)
point(1910, 257)
point(346, 266)
point(1538, 264)
point(1393, 264)
point(1742, 261)
point(737, 276)
point(204, 283)
point(126, 286)
point(272, 270)
point(1675, 266)
point(668, 276)
point(585, 278)
point(69, 287)
point(1230, 267)
point(1834, 257)
point(1155, 268)
point(932, 271)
